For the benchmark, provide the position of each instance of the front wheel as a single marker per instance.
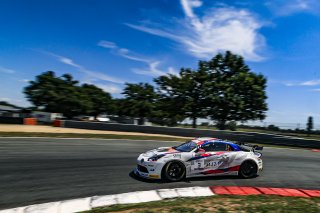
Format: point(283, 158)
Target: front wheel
point(174, 171)
point(248, 169)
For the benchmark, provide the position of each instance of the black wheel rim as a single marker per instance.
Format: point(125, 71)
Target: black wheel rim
point(248, 169)
point(175, 171)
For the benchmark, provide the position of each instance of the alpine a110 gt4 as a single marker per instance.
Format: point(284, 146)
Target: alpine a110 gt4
point(200, 157)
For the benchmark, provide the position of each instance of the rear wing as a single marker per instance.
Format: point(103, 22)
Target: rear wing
point(250, 147)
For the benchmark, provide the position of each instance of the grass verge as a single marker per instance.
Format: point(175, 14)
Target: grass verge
point(221, 204)
point(83, 135)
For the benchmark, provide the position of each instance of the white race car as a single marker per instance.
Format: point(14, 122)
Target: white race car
point(200, 157)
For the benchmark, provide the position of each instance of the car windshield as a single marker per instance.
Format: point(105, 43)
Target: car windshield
point(186, 147)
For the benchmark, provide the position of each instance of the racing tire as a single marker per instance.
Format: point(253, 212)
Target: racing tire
point(174, 171)
point(248, 169)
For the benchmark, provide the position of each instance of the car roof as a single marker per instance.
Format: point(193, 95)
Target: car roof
point(204, 140)
point(200, 141)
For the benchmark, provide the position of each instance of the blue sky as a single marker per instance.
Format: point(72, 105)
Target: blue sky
point(108, 43)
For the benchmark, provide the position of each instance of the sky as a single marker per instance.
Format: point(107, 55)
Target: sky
point(108, 43)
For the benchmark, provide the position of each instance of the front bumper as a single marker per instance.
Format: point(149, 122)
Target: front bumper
point(146, 175)
point(148, 169)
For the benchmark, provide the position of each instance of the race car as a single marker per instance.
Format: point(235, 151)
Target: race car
point(200, 157)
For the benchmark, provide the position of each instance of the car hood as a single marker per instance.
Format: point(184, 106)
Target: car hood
point(159, 151)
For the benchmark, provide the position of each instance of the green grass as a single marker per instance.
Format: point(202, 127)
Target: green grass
point(222, 203)
point(83, 135)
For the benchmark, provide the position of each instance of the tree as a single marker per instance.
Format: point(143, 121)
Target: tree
point(98, 100)
point(54, 94)
point(139, 101)
point(166, 113)
point(183, 95)
point(5, 103)
point(64, 95)
point(234, 93)
point(309, 125)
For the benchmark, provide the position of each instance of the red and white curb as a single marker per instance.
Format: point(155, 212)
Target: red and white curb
point(85, 204)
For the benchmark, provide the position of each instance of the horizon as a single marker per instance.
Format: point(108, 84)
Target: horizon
point(108, 43)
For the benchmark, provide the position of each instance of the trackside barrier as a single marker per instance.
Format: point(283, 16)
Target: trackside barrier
point(30, 121)
point(10, 120)
point(85, 204)
point(248, 137)
point(58, 123)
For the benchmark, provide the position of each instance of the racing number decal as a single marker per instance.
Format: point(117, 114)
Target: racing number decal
point(197, 164)
point(201, 164)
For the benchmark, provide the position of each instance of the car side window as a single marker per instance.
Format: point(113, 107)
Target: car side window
point(217, 147)
point(220, 147)
point(208, 147)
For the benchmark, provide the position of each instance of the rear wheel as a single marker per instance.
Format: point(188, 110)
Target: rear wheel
point(248, 169)
point(174, 171)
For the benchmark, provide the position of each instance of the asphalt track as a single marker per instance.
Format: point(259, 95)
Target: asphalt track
point(37, 170)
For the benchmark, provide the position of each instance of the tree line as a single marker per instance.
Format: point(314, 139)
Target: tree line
point(223, 89)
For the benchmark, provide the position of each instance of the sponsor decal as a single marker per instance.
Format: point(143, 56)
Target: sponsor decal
point(154, 176)
point(218, 171)
point(202, 164)
point(213, 163)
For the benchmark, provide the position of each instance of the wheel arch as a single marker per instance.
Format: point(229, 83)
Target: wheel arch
point(248, 160)
point(170, 161)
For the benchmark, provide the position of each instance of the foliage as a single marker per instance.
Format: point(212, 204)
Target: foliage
point(139, 101)
point(64, 95)
point(273, 127)
point(5, 103)
point(234, 92)
point(309, 124)
point(223, 89)
point(232, 125)
point(98, 100)
point(183, 95)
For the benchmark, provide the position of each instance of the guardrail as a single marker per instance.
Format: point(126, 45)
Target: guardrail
point(10, 120)
point(249, 137)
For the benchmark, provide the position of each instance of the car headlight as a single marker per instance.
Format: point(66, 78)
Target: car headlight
point(155, 157)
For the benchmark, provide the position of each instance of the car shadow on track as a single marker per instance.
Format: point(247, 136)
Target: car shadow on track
point(187, 180)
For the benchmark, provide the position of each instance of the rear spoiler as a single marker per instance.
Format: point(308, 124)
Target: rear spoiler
point(250, 146)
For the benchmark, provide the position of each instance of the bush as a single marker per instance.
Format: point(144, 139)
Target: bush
point(273, 128)
point(232, 125)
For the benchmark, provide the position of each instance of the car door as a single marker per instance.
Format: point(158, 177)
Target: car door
point(205, 159)
point(213, 158)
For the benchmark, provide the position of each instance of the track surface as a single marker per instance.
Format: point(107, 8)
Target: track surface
point(37, 170)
